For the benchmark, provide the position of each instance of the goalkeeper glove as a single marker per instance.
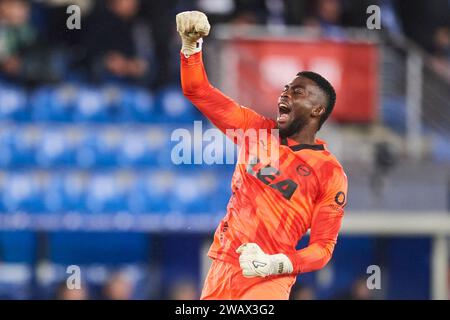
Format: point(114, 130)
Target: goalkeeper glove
point(255, 263)
point(192, 26)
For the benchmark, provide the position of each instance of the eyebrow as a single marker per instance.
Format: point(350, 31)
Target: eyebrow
point(294, 87)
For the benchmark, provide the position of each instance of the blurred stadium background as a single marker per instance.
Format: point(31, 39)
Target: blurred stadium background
point(86, 117)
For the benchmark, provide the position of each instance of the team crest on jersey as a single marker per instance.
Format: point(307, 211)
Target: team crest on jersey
point(303, 170)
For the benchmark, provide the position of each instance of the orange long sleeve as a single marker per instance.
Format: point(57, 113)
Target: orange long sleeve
point(320, 249)
point(221, 110)
point(325, 225)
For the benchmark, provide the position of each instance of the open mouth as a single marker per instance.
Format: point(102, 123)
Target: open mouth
point(283, 112)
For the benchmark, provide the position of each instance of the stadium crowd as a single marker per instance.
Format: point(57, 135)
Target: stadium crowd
point(135, 41)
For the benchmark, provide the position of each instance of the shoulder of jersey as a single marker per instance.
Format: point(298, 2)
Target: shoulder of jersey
point(327, 158)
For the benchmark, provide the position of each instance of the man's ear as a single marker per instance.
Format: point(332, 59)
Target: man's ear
point(318, 111)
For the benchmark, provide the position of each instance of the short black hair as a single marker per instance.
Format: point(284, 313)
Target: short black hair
point(327, 88)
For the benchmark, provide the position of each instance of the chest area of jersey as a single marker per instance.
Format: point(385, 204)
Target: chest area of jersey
point(286, 176)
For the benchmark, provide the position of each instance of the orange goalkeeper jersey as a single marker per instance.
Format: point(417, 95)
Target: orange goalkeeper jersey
point(275, 207)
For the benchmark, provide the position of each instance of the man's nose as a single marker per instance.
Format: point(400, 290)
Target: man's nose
point(285, 95)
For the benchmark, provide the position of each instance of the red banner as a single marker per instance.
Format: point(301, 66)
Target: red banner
point(257, 70)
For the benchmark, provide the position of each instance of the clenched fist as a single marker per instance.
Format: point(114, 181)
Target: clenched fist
point(192, 27)
point(256, 263)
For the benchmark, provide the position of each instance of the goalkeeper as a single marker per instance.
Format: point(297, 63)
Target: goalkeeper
point(254, 252)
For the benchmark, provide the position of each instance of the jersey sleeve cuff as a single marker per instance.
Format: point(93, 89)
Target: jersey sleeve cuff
point(295, 263)
point(196, 58)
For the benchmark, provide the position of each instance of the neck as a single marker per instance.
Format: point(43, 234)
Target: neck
point(305, 136)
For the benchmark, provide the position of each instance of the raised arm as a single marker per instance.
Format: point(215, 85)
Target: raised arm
point(221, 110)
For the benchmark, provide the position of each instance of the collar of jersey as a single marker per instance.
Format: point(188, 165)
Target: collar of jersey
point(297, 147)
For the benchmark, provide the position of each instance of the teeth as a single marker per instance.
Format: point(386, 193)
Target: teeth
point(283, 117)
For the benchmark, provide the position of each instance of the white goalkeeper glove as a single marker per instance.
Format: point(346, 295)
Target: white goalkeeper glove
point(255, 263)
point(192, 26)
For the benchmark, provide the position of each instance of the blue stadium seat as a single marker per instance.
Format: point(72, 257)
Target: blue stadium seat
point(101, 193)
point(106, 192)
point(90, 105)
point(85, 153)
point(100, 147)
point(13, 103)
point(75, 139)
point(3, 187)
point(194, 193)
point(75, 191)
point(125, 182)
point(66, 192)
point(174, 107)
point(137, 105)
point(162, 145)
point(54, 103)
point(40, 101)
point(23, 192)
point(186, 195)
point(54, 148)
point(6, 146)
point(112, 99)
point(26, 141)
point(159, 146)
point(105, 145)
point(144, 147)
point(134, 148)
point(152, 192)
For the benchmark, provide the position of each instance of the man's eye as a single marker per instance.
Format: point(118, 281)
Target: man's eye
point(298, 91)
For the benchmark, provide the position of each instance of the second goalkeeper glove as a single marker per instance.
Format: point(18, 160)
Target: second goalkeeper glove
point(192, 26)
point(255, 263)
